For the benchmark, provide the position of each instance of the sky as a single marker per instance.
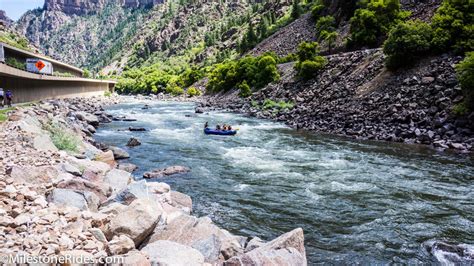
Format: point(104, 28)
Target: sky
point(16, 8)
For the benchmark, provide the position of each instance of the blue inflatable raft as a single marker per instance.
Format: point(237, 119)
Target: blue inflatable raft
point(209, 131)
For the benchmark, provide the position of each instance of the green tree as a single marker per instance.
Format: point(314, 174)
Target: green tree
point(296, 9)
point(465, 74)
point(262, 28)
point(309, 61)
point(372, 22)
point(326, 23)
point(330, 38)
point(453, 25)
point(406, 42)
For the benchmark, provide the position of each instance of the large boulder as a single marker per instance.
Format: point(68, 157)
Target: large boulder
point(33, 175)
point(120, 245)
point(200, 233)
point(171, 253)
point(105, 157)
point(88, 118)
point(118, 179)
point(68, 197)
point(133, 142)
point(102, 191)
point(288, 249)
point(181, 201)
point(43, 143)
point(158, 192)
point(129, 167)
point(137, 221)
point(172, 170)
point(119, 153)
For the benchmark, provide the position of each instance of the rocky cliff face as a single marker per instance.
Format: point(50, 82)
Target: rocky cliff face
point(83, 7)
point(4, 19)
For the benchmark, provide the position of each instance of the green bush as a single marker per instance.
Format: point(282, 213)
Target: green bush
point(309, 62)
point(244, 89)
point(307, 51)
point(465, 73)
point(256, 71)
point(269, 104)
point(453, 26)
point(193, 92)
point(406, 42)
point(326, 23)
point(13, 62)
point(174, 89)
point(307, 69)
point(372, 22)
point(289, 58)
point(62, 138)
point(317, 11)
point(107, 93)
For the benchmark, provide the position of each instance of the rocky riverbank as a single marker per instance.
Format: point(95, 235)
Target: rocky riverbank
point(356, 96)
point(64, 194)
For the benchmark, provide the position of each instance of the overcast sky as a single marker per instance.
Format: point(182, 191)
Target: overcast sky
point(16, 8)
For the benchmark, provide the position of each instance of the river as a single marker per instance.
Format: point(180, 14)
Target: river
point(358, 202)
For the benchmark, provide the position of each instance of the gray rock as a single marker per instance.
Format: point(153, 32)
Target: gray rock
point(43, 143)
point(253, 244)
point(119, 153)
point(198, 233)
point(129, 167)
point(165, 252)
point(68, 197)
point(181, 200)
point(172, 170)
point(133, 142)
point(117, 179)
point(137, 221)
point(89, 118)
point(68, 168)
point(288, 249)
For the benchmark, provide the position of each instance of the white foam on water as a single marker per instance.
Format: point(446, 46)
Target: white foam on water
point(312, 195)
point(357, 187)
point(253, 157)
point(186, 134)
point(241, 187)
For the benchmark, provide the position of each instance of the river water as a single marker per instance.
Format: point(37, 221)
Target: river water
point(358, 202)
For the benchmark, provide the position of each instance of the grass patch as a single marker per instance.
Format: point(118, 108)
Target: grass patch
point(63, 139)
point(3, 114)
point(280, 105)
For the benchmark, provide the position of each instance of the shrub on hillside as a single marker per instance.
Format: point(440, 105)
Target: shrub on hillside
point(465, 73)
point(174, 90)
point(453, 26)
point(326, 23)
point(192, 91)
point(307, 69)
point(406, 42)
point(256, 71)
point(309, 62)
point(371, 23)
point(244, 89)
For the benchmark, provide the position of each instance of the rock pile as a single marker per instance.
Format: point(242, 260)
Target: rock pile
point(58, 200)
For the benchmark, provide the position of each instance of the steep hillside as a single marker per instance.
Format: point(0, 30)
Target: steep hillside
point(133, 33)
point(286, 40)
point(357, 96)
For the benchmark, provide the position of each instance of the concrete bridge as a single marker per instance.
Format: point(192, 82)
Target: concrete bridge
point(27, 86)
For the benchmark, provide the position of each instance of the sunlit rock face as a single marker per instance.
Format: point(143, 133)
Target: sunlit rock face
point(82, 7)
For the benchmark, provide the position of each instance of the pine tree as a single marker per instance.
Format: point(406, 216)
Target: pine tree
point(296, 9)
point(262, 28)
point(252, 38)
